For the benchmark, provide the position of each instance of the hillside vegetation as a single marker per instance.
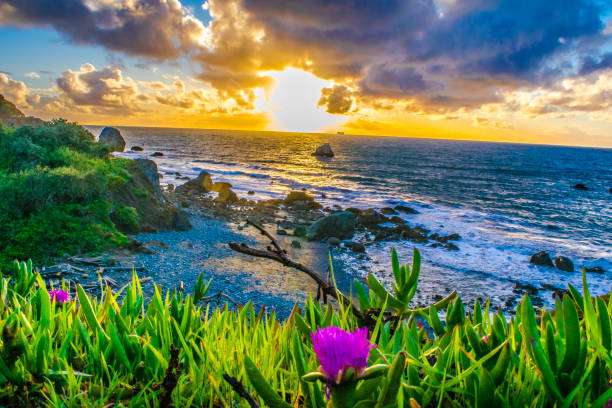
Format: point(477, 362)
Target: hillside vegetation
point(62, 192)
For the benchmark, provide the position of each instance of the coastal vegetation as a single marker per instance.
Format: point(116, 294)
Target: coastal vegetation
point(62, 192)
point(63, 347)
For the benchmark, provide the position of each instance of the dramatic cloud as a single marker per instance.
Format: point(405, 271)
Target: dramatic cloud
point(14, 91)
point(105, 89)
point(337, 99)
point(161, 29)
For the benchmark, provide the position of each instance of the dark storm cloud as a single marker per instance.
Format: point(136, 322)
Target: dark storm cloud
point(151, 28)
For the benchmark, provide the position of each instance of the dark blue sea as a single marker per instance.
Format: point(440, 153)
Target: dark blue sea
point(506, 201)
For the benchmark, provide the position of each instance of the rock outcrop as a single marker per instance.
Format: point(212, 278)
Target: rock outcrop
point(112, 138)
point(563, 263)
point(324, 150)
point(339, 225)
point(201, 184)
point(541, 258)
point(301, 200)
point(11, 116)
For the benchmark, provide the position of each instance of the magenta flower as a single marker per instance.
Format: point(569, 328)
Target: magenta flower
point(60, 296)
point(339, 350)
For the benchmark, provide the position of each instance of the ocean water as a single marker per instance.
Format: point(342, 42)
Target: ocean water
point(506, 201)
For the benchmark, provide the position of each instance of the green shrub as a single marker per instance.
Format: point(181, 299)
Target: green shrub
point(55, 183)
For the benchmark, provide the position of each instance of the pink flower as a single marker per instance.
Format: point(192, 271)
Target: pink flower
point(339, 350)
point(60, 296)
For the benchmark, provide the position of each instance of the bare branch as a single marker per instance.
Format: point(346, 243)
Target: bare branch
point(239, 388)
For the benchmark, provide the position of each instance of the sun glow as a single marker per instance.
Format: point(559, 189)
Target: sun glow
point(293, 99)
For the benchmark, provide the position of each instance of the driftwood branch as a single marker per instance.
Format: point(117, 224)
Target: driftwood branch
point(239, 388)
point(276, 253)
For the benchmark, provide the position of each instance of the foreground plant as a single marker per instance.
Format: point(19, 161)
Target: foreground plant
point(174, 349)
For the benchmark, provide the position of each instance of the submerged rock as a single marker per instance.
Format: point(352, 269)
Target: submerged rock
point(370, 217)
point(388, 211)
point(357, 246)
point(595, 269)
point(405, 210)
point(339, 225)
point(137, 149)
point(565, 264)
point(541, 258)
point(324, 150)
point(296, 244)
point(580, 186)
point(157, 154)
point(112, 138)
point(333, 241)
point(300, 231)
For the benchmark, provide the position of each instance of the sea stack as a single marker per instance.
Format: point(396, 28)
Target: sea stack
point(112, 138)
point(324, 150)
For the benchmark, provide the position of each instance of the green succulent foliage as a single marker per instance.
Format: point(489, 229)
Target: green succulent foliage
point(118, 349)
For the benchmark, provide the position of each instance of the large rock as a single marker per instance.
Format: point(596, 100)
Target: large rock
point(201, 184)
point(112, 138)
point(149, 167)
point(565, 264)
point(541, 258)
point(181, 221)
point(340, 225)
point(324, 150)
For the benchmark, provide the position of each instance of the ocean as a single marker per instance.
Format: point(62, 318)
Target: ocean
point(507, 201)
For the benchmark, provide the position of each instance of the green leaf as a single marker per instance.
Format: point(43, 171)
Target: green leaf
point(262, 387)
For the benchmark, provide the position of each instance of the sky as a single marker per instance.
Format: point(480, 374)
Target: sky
point(528, 71)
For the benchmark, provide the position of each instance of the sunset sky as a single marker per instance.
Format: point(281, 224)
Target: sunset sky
point(536, 71)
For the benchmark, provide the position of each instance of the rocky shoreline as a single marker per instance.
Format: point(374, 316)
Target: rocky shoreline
point(207, 215)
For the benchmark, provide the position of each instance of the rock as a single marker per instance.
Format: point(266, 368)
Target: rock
point(185, 203)
point(405, 210)
point(112, 138)
point(149, 167)
point(227, 196)
point(446, 238)
point(595, 269)
point(281, 232)
point(220, 186)
point(137, 149)
point(610, 190)
point(170, 187)
point(333, 241)
point(563, 263)
point(451, 247)
point(520, 288)
point(580, 186)
point(340, 225)
point(300, 231)
point(250, 192)
point(301, 200)
point(357, 246)
point(541, 258)
point(397, 220)
point(354, 210)
point(296, 244)
point(202, 184)
point(324, 150)
point(157, 154)
point(181, 221)
point(388, 211)
point(370, 218)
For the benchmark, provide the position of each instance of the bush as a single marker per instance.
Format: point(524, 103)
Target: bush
point(55, 183)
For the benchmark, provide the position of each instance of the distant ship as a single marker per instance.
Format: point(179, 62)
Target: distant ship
point(340, 133)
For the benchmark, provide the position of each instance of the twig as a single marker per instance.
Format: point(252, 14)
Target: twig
point(220, 295)
point(276, 253)
point(148, 278)
point(239, 388)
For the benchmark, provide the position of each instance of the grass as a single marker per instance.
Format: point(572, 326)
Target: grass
point(174, 348)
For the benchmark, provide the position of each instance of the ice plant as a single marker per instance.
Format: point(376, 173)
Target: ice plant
point(60, 296)
point(341, 352)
